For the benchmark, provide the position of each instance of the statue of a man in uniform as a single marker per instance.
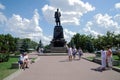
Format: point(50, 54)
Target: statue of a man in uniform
point(57, 17)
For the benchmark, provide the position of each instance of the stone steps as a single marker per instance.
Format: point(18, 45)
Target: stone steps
point(58, 50)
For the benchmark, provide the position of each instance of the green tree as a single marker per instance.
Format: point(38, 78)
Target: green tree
point(83, 41)
point(25, 44)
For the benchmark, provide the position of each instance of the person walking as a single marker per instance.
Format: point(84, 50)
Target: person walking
point(74, 52)
point(109, 57)
point(69, 52)
point(103, 59)
point(80, 53)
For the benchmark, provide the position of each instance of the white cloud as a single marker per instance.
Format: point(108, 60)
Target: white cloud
point(2, 18)
point(71, 10)
point(27, 28)
point(105, 20)
point(2, 6)
point(101, 24)
point(89, 29)
point(48, 13)
point(68, 34)
point(117, 5)
point(117, 18)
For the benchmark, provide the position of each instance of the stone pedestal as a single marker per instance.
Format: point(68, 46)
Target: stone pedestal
point(58, 37)
point(58, 42)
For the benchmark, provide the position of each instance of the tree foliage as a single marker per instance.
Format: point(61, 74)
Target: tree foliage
point(90, 43)
point(11, 44)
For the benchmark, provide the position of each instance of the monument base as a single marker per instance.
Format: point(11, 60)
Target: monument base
point(58, 50)
point(58, 43)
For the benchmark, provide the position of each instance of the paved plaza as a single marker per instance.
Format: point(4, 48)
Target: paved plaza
point(59, 68)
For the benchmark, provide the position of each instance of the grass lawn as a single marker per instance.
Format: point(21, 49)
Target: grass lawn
point(90, 58)
point(115, 57)
point(5, 68)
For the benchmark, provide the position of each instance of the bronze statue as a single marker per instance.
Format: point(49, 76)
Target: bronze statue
point(57, 17)
point(58, 37)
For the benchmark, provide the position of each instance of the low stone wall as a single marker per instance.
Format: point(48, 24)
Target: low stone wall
point(115, 63)
point(97, 60)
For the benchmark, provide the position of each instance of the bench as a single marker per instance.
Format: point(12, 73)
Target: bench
point(15, 65)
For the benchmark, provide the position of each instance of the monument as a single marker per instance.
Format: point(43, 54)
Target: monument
point(58, 42)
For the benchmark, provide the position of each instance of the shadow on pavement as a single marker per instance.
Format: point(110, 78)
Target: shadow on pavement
point(69, 61)
point(65, 60)
point(98, 69)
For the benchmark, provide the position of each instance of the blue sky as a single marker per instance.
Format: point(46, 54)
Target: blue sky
point(34, 19)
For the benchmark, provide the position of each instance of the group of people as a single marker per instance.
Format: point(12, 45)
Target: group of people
point(106, 58)
point(72, 52)
point(23, 60)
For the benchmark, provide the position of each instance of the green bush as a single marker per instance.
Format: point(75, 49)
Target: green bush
point(17, 53)
point(4, 57)
point(118, 53)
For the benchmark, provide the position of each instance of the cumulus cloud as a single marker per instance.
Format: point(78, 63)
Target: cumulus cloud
point(117, 5)
point(2, 18)
point(27, 28)
point(48, 12)
point(117, 18)
point(71, 10)
point(2, 6)
point(68, 34)
point(101, 24)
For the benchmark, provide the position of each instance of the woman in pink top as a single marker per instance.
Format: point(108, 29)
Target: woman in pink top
point(109, 57)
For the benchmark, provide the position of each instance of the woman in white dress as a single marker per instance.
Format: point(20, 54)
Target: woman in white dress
point(103, 59)
point(69, 52)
